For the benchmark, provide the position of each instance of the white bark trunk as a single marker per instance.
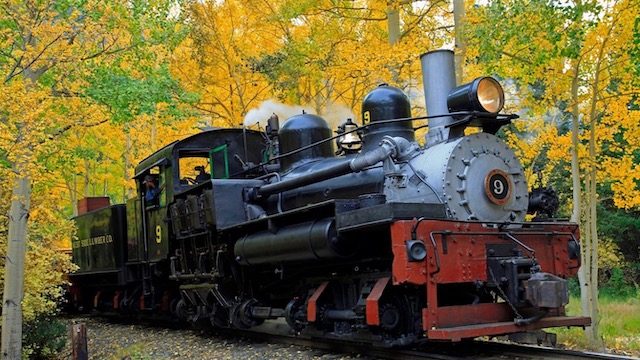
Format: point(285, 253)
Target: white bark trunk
point(393, 24)
point(72, 185)
point(595, 313)
point(592, 196)
point(11, 346)
point(584, 275)
point(127, 193)
point(154, 131)
point(87, 178)
point(586, 298)
point(14, 266)
point(575, 141)
point(460, 43)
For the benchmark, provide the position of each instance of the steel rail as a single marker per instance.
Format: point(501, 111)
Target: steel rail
point(279, 333)
point(481, 350)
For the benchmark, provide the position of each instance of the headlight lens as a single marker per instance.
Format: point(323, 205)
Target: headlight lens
point(490, 95)
point(482, 94)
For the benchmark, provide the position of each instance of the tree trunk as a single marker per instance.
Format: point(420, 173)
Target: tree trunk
point(74, 194)
point(575, 142)
point(14, 264)
point(592, 196)
point(393, 24)
point(461, 44)
point(11, 346)
point(594, 333)
point(127, 193)
point(584, 274)
point(87, 178)
point(79, 350)
point(154, 131)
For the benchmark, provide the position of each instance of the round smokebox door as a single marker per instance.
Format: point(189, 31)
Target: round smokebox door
point(484, 181)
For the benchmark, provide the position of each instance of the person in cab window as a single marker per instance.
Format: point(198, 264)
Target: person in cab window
point(203, 176)
point(151, 190)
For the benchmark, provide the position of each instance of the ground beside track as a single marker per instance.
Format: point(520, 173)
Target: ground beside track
point(110, 341)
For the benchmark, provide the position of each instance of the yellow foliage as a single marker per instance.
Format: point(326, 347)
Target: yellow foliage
point(315, 54)
point(609, 255)
point(45, 272)
point(52, 133)
point(535, 57)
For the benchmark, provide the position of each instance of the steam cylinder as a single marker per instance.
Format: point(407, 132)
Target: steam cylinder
point(385, 103)
point(302, 130)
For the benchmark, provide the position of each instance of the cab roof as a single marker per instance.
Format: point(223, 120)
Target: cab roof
point(199, 141)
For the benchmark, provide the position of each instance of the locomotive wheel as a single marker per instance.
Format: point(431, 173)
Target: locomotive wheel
point(219, 318)
point(396, 317)
point(389, 317)
point(182, 310)
point(294, 314)
point(241, 315)
point(322, 323)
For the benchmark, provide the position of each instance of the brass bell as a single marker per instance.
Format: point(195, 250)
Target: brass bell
point(350, 142)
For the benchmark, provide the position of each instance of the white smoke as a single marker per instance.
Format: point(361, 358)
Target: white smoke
point(334, 114)
point(269, 107)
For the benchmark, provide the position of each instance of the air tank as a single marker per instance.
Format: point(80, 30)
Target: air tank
point(314, 240)
point(302, 130)
point(384, 103)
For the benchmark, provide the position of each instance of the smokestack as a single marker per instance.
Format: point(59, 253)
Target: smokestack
point(438, 78)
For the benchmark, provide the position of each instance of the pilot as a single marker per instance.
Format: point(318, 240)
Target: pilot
point(151, 190)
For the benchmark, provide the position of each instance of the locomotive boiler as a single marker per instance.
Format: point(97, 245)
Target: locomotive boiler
point(389, 241)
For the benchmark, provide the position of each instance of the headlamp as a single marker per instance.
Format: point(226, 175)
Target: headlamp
point(483, 94)
point(416, 250)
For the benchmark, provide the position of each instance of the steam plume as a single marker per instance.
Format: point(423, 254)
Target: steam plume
point(334, 114)
point(269, 107)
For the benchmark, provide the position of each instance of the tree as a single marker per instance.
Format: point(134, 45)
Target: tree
point(48, 49)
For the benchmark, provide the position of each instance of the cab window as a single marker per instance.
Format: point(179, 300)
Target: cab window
point(194, 169)
point(152, 187)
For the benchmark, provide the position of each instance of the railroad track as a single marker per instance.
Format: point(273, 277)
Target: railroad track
point(274, 332)
point(537, 352)
point(481, 350)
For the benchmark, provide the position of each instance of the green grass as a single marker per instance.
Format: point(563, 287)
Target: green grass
point(619, 326)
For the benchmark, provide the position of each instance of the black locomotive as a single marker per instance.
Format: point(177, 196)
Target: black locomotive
point(387, 241)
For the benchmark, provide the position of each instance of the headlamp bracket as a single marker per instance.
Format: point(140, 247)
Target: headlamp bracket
point(490, 123)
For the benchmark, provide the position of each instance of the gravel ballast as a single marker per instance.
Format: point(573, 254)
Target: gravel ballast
point(113, 340)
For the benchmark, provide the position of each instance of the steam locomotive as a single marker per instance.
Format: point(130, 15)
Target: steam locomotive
point(385, 240)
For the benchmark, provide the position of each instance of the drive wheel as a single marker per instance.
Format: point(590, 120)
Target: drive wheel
point(219, 318)
point(295, 315)
point(396, 317)
point(242, 317)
